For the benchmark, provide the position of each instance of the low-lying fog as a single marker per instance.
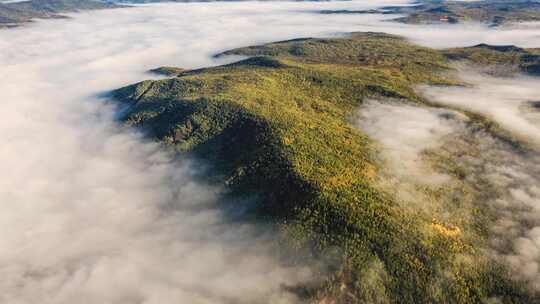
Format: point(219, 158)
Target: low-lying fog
point(91, 212)
point(510, 101)
point(507, 178)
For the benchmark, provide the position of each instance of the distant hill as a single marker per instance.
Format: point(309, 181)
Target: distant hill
point(523, 60)
point(495, 12)
point(20, 12)
point(492, 12)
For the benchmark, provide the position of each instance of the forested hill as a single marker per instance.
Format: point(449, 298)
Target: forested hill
point(277, 127)
point(16, 13)
point(491, 12)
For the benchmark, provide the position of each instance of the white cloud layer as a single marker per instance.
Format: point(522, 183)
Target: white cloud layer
point(405, 132)
point(507, 100)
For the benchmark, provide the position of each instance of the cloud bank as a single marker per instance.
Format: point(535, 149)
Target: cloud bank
point(405, 132)
point(509, 101)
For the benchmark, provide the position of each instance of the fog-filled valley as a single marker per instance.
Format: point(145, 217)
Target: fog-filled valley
point(97, 211)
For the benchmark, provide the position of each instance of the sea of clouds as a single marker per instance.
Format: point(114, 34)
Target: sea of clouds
point(93, 213)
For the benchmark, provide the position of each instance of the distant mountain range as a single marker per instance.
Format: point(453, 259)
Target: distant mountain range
point(13, 13)
point(492, 12)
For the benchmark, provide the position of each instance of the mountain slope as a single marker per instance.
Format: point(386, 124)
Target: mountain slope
point(276, 127)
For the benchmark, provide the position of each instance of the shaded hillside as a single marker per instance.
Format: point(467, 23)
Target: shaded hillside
point(13, 14)
point(276, 127)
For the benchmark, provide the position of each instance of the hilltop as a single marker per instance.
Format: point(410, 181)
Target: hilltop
point(276, 128)
point(513, 58)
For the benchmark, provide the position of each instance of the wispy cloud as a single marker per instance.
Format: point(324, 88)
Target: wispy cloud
point(507, 100)
point(502, 179)
point(513, 173)
point(405, 132)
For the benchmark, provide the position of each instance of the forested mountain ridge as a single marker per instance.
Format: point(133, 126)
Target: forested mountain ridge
point(277, 127)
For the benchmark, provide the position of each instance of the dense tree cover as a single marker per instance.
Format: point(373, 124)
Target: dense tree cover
point(276, 128)
point(492, 12)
